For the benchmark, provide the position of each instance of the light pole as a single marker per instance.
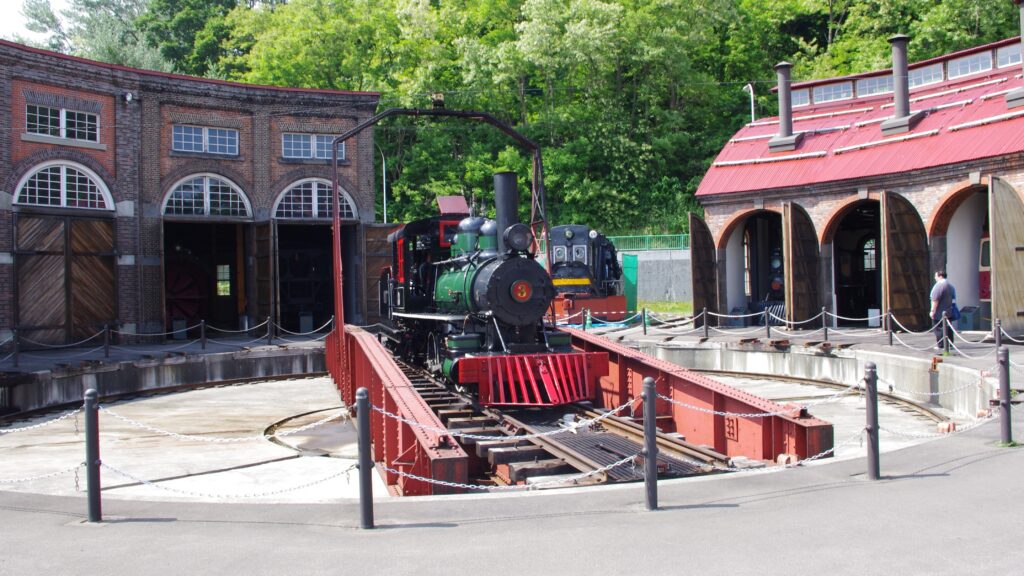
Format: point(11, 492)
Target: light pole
point(749, 88)
point(384, 181)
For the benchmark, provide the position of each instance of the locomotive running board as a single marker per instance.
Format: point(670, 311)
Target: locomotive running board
point(548, 379)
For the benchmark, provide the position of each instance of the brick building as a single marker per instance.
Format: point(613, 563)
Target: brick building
point(157, 200)
point(866, 184)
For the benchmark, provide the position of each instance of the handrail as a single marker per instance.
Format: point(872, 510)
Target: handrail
point(651, 242)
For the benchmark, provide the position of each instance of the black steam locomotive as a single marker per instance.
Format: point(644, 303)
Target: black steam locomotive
point(466, 299)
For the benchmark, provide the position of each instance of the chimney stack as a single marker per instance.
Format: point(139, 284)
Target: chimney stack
point(1016, 98)
point(902, 120)
point(785, 140)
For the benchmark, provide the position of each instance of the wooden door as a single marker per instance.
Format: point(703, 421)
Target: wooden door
point(702, 267)
point(378, 257)
point(906, 281)
point(93, 288)
point(66, 278)
point(1006, 233)
point(800, 261)
point(266, 280)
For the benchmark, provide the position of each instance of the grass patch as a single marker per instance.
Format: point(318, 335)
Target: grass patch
point(1013, 444)
point(683, 308)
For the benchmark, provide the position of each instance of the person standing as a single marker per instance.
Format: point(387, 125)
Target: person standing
point(943, 296)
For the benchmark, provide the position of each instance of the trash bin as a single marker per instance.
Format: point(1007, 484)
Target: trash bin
point(970, 319)
point(874, 318)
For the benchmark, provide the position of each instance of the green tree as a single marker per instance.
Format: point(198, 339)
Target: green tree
point(188, 33)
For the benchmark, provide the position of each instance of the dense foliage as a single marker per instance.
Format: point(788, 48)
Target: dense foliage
point(630, 99)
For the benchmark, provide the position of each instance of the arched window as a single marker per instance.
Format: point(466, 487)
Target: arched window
point(206, 195)
point(870, 254)
point(311, 199)
point(63, 185)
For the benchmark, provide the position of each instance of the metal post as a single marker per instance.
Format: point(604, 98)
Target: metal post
point(106, 340)
point(997, 331)
point(202, 333)
point(365, 461)
point(944, 326)
point(586, 318)
point(704, 315)
point(92, 455)
point(871, 385)
point(767, 325)
point(824, 322)
point(888, 323)
point(645, 320)
point(17, 347)
point(270, 332)
point(1003, 357)
point(650, 450)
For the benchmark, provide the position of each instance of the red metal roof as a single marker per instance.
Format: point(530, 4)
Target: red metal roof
point(967, 119)
point(453, 205)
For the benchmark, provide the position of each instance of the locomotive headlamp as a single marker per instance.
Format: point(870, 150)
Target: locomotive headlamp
point(518, 237)
point(593, 234)
point(568, 234)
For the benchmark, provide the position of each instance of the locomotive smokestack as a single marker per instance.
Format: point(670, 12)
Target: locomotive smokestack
point(506, 205)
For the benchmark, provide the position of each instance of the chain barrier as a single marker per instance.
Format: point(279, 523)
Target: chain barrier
point(6, 358)
point(242, 345)
point(455, 434)
point(846, 319)
point(904, 344)
point(215, 440)
point(918, 435)
point(245, 496)
point(44, 476)
point(735, 316)
point(856, 437)
point(57, 346)
point(249, 329)
point(626, 320)
point(795, 323)
point(874, 334)
point(8, 341)
point(796, 334)
point(909, 331)
point(1010, 338)
point(672, 331)
point(732, 333)
point(171, 333)
point(893, 388)
point(957, 333)
point(285, 330)
point(728, 414)
point(966, 355)
point(290, 341)
point(534, 486)
point(147, 351)
point(60, 418)
point(63, 357)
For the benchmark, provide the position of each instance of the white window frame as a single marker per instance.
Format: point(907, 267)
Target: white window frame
point(101, 186)
point(834, 88)
point(800, 97)
point(63, 116)
point(874, 85)
point(927, 73)
point(207, 176)
point(314, 146)
point(1012, 50)
point(343, 195)
point(982, 59)
point(206, 139)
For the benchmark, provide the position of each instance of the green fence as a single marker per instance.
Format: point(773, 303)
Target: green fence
point(660, 242)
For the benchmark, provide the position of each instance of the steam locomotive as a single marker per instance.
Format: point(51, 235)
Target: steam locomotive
point(586, 273)
point(466, 298)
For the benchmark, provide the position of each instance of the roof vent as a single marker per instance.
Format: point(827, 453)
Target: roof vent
point(903, 120)
point(785, 141)
point(1016, 98)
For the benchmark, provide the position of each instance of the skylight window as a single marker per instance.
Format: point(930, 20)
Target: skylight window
point(832, 92)
point(972, 64)
point(926, 75)
point(874, 85)
point(1008, 55)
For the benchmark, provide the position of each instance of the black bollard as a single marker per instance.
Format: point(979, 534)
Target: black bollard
point(92, 455)
point(202, 333)
point(17, 347)
point(871, 386)
point(997, 333)
point(270, 332)
point(944, 326)
point(106, 340)
point(1003, 357)
point(888, 323)
point(650, 450)
point(704, 315)
point(824, 322)
point(365, 460)
point(767, 325)
point(645, 321)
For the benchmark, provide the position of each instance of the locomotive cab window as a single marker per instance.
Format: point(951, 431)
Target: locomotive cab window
point(985, 258)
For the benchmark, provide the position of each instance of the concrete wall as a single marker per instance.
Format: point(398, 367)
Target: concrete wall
point(664, 275)
point(961, 390)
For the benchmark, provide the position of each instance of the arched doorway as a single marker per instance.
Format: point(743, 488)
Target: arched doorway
point(754, 274)
point(856, 263)
point(960, 240)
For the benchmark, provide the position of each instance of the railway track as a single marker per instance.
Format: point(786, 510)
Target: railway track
point(516, 456)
